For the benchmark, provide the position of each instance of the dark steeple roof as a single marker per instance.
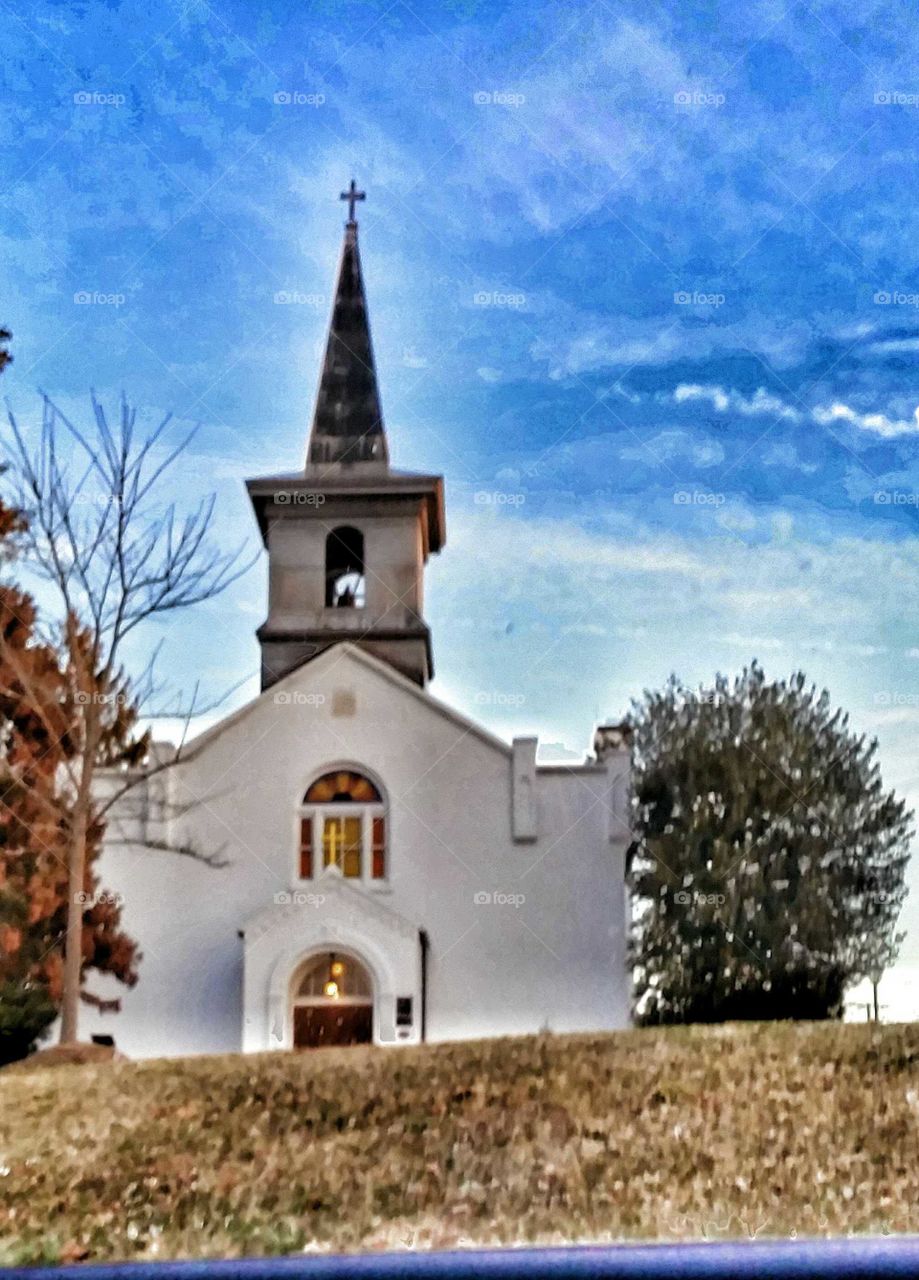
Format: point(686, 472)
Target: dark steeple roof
point(348, 421)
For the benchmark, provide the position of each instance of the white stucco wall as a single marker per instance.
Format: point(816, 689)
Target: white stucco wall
point(546, 949)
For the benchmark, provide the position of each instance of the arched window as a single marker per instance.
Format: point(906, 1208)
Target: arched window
point(333, 977)
point(345, 581)
point(343, 825)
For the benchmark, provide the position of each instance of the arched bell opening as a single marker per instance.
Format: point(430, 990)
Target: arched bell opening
point(345, 578)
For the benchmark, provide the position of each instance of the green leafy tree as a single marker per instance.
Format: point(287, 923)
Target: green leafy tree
point(769, 860)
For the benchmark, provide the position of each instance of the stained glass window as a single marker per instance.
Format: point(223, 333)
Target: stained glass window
point(341, 845)
point(379, 848)
point(306, 848)
point(346, 829)
point(342, 787)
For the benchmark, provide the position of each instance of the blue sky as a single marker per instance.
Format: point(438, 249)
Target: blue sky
point(642, 283)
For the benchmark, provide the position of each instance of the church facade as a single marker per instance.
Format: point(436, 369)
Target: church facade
point(372, 866)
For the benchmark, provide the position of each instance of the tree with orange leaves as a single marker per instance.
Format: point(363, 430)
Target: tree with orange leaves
point(39, 734)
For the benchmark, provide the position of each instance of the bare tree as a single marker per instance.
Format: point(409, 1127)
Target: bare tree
point(117, 556)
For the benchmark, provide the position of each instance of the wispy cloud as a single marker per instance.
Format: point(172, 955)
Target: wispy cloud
point(877, 423)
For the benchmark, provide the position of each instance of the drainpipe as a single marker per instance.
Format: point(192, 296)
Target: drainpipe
point(425, 944)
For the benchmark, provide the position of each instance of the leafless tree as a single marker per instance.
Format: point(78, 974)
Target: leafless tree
point(117, 555)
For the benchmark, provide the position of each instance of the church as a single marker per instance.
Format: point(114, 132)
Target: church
point(373, 866)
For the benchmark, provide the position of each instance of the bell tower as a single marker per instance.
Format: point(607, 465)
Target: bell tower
point(348, 537)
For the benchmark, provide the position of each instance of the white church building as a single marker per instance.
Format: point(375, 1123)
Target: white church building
point(390, 871)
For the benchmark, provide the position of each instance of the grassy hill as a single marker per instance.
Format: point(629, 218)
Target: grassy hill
point(673, 1134)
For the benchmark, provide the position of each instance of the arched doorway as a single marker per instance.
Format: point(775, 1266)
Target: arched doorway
point(332, 1002)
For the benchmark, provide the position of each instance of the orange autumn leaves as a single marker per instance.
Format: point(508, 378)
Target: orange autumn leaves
point(39, 739)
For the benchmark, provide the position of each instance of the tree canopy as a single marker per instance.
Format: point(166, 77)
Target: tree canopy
point(769, 860)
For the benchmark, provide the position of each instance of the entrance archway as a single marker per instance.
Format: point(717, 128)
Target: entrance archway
point(332, 1002)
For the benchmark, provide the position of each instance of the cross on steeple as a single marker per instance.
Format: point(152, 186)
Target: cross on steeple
point(352, 195)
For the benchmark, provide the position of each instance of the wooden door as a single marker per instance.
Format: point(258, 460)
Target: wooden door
point(320, 1026)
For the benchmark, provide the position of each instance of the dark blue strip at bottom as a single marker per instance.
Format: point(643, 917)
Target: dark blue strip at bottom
point(860, 1258)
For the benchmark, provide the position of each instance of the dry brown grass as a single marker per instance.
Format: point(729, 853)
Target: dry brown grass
point(680, 1133)
point(65, 1055)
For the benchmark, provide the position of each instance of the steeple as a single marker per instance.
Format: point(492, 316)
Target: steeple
point(347, 422)
point(348, 537)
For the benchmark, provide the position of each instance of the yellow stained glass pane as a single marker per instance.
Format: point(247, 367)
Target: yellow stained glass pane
point(341, 845)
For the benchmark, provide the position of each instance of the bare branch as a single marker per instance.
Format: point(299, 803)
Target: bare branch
point(117, 558)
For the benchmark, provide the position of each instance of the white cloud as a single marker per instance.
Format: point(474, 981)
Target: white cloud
point(582, 342)
point(786, 455)
point(878, 423)
point(553, 752)
point(489, 375)
point(761, 402)
point(651, 557)
point(888, 717)
point(783, 525)
point(736, 519)
point(752, 644)
point(631, 633)
point(896, 346)
point(768, 599)
point(667, 445)
point(717, 397)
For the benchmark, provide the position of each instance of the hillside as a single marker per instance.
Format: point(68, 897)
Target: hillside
point(671, 1134)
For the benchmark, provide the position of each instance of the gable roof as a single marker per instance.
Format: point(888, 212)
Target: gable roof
point(314, 667)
